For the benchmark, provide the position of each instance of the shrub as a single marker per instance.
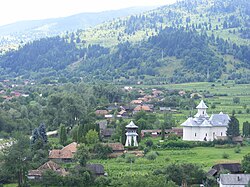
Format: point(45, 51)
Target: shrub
point(149, 143)
point(178, 144)
point(120, 159)
point(102, 181)
point(151, 156)
point(225, 155)
point(146, 150)
point(130, 158)
point(237, 149)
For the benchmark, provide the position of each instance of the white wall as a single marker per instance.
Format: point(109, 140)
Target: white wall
point(199, 133)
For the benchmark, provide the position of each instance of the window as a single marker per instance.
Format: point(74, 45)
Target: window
point(203, 112)
point(195, 134)
point(206, 134)
point(221, 133)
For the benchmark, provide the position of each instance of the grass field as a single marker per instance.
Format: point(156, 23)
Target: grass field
point(206, 157)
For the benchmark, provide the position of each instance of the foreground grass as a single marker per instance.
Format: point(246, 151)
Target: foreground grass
point(206, 157)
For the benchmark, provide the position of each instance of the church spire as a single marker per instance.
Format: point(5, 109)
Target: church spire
point(202, 107)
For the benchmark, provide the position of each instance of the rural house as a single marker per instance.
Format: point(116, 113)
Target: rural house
point(50, 165)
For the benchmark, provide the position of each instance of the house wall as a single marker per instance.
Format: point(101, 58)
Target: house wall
point(199, 133)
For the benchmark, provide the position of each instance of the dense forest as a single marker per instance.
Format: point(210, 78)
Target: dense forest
point(188, 41)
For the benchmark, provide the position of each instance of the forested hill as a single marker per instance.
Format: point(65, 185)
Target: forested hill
point(189, 41)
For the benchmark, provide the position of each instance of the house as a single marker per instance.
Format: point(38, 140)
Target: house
point(50, 165)
point(201, 127)
point(61, 155)
point(103, 124)
point(107, 133)
point(123, 113)
point(66, 154)
point(157, 132)
point(141, 108)
point(234, 180)
point(101, 112)
point(136, 102)
point(117, 148)
point(96, 169)
point(72, 147)
point(233, 168)
point(165, 109)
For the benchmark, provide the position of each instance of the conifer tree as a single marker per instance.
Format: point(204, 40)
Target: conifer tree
point(62, 134)
point(233, 127)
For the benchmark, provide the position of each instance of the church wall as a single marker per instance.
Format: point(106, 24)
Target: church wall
point(199, 133)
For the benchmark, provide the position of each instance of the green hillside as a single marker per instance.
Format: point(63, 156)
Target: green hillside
point(189, 41)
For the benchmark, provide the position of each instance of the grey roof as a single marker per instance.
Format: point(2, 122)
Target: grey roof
point(211, 172)
point(219, 119)
point(97, 169)
point(232, 167)
point(202, 105)
point(131, 125)
point(234, 179)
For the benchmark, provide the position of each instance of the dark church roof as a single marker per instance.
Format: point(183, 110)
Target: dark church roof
point(232, 167)
point(96, 169)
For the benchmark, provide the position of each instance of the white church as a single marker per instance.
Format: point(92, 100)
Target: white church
point(201, 127)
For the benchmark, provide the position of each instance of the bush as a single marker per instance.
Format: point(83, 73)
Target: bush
point(173, 136)
point(237, 149)
point(120, 159)
point(149, 143)
point(146, 150)
point(225, 155)
point(151, 156)
point(178, 144)
point(102, 181)
point(130, 158)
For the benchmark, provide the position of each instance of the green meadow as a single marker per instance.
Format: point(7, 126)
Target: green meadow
point(206, 157)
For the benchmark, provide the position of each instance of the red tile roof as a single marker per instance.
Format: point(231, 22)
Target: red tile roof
point(144, 108)
point(60, 154)
point(71, 147)
point(116, 146)
point(50, 165)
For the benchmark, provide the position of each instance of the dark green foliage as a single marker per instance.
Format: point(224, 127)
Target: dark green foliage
point(102, 181)
point(82, 155)
point(51, 178)
point(39, 134)
point(169, 121)
point(102, 151)
point(123, 135)
point(236, 100)
point(185, 174)
point(246, 129)
point(149, 143)
point(16, 160)
point(151, 156)
point(55, 53)
point(233, 127)
point(245, 163)
point(162, 132)
point(62, 134)
point(178, 144)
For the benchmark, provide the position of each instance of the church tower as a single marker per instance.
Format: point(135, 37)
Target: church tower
point(131, 135)
point(202, 110)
